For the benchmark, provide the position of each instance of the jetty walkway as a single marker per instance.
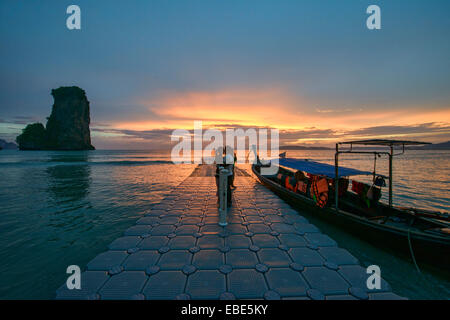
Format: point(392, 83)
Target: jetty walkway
point(267, 251)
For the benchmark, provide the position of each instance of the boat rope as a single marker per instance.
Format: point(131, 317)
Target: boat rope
point(410, 246)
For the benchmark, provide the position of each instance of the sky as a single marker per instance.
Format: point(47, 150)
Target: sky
point(310, 68)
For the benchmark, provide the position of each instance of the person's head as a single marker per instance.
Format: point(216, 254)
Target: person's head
point(229, 150)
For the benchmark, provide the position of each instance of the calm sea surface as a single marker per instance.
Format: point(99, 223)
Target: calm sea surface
point(63, 208)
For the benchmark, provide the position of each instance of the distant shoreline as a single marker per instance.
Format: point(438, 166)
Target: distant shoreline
point(436, 146)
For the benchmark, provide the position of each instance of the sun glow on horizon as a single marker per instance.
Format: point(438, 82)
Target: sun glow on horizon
point(299, 120)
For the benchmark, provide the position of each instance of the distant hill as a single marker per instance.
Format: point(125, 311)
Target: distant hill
point(434, 146)
point(303, 148)
point(7, 145)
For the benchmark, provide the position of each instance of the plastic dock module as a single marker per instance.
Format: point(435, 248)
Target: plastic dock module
point(267, 251)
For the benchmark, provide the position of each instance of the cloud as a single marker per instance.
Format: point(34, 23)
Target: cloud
point(155, 138)
point(20, 120)
point(311, 134)
point(338, 110)
point(424, 128)
point(241, 106)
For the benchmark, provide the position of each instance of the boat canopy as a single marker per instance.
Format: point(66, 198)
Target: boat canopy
point(375, 142)
point(320, 168)
point(383, 142)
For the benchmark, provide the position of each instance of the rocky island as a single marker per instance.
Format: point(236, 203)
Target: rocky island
point(67, 127)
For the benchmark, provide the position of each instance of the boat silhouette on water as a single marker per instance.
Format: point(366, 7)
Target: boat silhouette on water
point(322, 190)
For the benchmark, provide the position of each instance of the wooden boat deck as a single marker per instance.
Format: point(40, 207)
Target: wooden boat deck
point(267, 251)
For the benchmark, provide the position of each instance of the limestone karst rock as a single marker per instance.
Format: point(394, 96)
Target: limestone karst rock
point(67, 127)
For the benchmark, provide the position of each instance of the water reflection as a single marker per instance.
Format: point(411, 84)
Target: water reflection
point(62, 208)
point(69, 182)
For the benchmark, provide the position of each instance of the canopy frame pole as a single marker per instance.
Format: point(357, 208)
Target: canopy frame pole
point(374, 167)
point(223, 206)
point(391, 155)
point(336, 178)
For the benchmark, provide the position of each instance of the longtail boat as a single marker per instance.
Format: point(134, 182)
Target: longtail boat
point(322, 190)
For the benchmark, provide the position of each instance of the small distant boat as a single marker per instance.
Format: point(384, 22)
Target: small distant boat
point(422, 234)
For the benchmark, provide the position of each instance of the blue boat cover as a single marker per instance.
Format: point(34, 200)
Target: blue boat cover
point(319, 168)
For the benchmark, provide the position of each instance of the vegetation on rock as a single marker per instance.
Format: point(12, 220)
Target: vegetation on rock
point(33, 137)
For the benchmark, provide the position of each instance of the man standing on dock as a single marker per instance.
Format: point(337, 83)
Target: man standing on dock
point(225, 162)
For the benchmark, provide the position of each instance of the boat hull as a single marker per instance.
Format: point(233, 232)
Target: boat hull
point(433, 252)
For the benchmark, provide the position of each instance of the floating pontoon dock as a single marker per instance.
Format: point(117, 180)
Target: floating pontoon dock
point(267, 251)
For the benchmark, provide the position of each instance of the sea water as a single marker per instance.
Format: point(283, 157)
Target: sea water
point(64, 208)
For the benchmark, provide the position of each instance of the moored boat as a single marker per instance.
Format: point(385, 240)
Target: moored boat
point(322, 190)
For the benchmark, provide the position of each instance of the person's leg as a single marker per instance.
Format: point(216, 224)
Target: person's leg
point(232, 177)
point(217, 183)
point(217, 187)
point(232, 181)
point(229, 191)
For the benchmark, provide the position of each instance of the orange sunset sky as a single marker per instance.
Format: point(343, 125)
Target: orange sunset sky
point(313, 70)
